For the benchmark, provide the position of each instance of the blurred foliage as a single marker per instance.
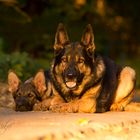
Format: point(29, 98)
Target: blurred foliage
point(21, 63)
point(27, 29)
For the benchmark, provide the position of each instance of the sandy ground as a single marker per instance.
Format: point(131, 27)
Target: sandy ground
point(59, 126)
point(69, 126)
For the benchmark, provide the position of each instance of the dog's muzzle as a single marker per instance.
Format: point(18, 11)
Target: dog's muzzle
point(22, 104)
point(71, 75)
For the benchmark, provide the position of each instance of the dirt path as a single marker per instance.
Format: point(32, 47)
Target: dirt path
point(54, 126)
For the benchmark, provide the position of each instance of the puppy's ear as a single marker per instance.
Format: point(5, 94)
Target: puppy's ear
point(88, 39)
point(39, 81)
point(13, 81)
point(61, 38)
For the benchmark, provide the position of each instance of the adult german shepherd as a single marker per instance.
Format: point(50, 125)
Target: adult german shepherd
point(83, 81)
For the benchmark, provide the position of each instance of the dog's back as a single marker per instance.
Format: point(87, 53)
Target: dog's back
point(109, 85)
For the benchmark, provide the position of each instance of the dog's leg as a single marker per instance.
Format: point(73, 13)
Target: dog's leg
point(125, 89)
point(133, 107)
point(42, 106)
point(80, 106)
point(47, 103)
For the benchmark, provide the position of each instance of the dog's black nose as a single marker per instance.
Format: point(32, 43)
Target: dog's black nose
point(71, 72)
point(70, 75)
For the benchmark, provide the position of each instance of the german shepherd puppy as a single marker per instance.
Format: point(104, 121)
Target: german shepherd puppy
point(29, 93)
point(84, 81)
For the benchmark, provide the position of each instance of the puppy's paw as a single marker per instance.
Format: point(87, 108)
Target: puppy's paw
point(40, 107)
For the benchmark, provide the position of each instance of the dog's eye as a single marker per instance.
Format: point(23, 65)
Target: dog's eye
point(18, 94)
point(81, 60)
point(64, 59)
point(30, 95)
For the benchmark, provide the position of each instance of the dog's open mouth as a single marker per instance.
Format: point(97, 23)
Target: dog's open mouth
point(71, 84)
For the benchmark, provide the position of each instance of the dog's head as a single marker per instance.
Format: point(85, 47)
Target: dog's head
point(73, 66)
point(28, 93)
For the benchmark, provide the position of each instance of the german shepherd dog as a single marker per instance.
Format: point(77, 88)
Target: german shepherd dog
point(84, 81)
point(28, 93)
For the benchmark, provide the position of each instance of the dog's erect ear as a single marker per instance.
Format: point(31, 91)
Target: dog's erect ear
point(61, 38)
point(13, 81)
point(88, 39)
point(39, 81)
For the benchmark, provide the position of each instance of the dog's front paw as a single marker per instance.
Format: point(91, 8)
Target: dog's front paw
point(55, 108)
point(37, 107)
point(63, 108)
point(117, 107)
point(40, 107)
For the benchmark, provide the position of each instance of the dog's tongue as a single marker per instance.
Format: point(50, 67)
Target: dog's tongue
point(71, 84)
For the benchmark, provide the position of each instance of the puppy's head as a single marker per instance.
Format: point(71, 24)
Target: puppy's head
point(28, 93)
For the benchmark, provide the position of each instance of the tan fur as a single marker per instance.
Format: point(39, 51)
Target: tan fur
point(86, 104)
point(125, 89)
point(133, 107)
point(6, 98)
point(13, 81)
point(39, 82)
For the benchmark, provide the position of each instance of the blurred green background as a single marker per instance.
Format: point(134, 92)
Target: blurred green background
point(27, 29)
